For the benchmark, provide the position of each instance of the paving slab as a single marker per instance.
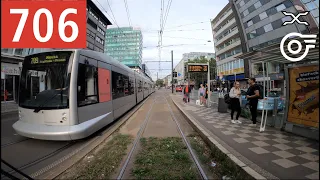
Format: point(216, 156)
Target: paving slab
point(273, 153)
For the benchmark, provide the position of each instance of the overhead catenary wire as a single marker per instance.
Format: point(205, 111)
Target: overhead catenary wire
point(112, 13)
point(166, 14)
point(128, 13)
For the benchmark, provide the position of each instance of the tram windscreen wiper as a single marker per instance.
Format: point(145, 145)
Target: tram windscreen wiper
point(39, 108)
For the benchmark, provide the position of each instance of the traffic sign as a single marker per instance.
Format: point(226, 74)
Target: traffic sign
point(43, 24)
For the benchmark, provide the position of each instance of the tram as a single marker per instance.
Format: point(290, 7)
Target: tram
point(70, 94)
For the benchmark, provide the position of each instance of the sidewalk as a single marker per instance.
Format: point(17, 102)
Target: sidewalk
point(272, 154)
point(7, 107)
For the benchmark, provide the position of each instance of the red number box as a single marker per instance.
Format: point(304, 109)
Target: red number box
point(35, 24)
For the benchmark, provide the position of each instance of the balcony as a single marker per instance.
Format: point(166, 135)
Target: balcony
point(225, 27)
point(227, 48)
point(233, 33)
point(218, 23)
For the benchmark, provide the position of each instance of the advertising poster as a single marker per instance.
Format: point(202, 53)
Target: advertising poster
point(304, 96)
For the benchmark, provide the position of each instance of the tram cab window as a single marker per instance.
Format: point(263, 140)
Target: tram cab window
point(87, 84)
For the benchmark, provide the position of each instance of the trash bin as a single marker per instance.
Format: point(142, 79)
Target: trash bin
point(222, 106)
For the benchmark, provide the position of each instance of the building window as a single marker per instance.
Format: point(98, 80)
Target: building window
point(91, 23)
point(257, 4)
point(251, 9)
point(249, 23)
point(100, 30)
point(87, 85)
point(245, 12)
point(263, 15)
point(268, 28)
point(241, 3)
point(252, 34)
point(311, 6)
point(280, 7)
point(277, 24)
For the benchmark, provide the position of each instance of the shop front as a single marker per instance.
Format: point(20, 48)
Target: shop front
point(9, 82)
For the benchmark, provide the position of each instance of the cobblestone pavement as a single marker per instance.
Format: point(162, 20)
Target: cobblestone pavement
point(282, 154)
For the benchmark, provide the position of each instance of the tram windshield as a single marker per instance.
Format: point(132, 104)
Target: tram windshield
point(44, 81)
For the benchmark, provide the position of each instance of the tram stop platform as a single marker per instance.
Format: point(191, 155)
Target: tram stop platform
point(271, 154)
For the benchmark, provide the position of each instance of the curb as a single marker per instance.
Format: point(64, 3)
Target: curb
point(203, 133)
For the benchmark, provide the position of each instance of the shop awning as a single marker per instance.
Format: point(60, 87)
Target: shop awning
point(272, 53)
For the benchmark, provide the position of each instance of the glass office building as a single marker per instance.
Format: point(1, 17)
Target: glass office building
point(125, 45)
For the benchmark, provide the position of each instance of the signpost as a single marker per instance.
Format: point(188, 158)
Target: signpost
point(201, 67)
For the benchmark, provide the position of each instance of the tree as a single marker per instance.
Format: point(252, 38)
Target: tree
point(159, 82)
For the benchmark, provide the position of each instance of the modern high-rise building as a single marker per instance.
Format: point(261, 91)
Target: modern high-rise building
point(97, 24)
point(227, 46)
point(125, 45)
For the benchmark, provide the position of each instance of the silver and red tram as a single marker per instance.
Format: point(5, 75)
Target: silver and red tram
point(70, 94)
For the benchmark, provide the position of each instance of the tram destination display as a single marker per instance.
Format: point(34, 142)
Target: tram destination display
point(56, 57)
point(197, 68)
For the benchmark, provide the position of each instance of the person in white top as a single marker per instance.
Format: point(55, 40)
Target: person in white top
point(235, 97)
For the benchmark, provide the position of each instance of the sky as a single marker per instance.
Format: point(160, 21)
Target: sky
point(187, 27)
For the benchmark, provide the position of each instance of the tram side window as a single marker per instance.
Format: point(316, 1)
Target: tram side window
point(140, 86)
point(87, 85)
point(119, 85)
point(126, 85)
point(131, 85)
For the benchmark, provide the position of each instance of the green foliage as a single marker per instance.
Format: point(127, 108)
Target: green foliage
point(159, 82)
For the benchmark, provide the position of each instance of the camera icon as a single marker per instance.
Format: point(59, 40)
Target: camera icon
point(309, 39)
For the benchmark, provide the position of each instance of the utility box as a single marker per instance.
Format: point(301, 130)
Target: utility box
point(222, 106)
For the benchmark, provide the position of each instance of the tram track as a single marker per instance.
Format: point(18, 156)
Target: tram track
point(38, 160)
point(163, 99)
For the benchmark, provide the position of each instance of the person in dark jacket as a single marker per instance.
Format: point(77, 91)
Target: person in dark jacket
point(186, 92)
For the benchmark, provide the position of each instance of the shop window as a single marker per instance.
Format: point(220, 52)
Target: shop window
point(87, 84)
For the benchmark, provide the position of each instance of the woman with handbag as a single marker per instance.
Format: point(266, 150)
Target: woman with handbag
point(235, 98)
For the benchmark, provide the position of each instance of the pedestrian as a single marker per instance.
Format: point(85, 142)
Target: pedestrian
point(253, 97)
point(201, 91)
point(235, 98)
point(187, 91)
point(206, 95)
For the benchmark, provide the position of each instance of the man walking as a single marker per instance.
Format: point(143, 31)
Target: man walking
point(253, 97)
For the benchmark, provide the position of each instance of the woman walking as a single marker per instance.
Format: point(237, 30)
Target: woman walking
point(235, 97)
